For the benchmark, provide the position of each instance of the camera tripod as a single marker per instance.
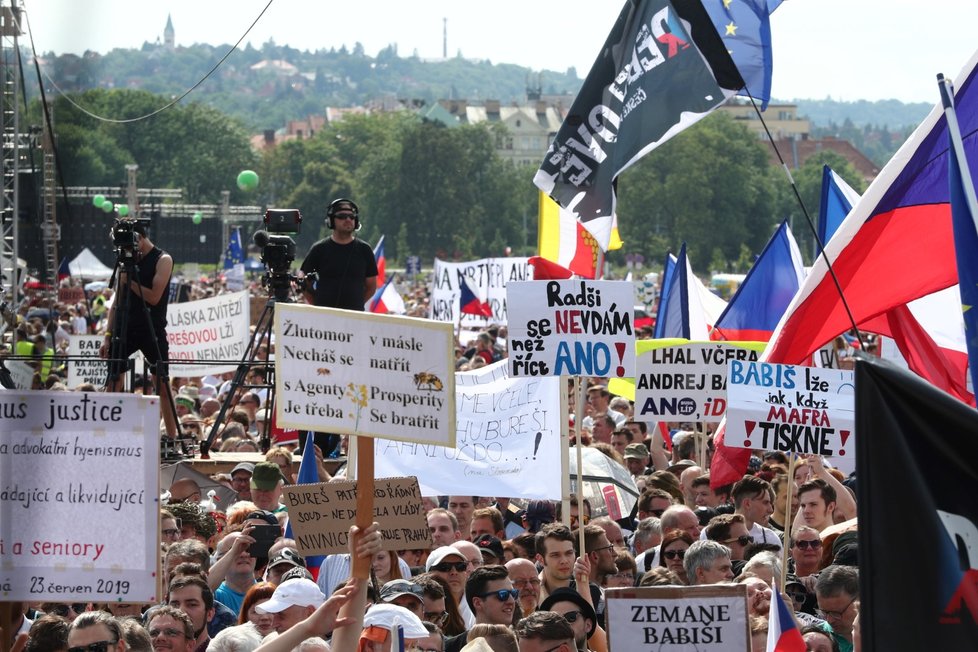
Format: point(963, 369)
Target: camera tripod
point(280, 284)
point(118, 361)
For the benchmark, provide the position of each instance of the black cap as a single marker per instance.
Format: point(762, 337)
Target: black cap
point(565, 594)
point(490, 544)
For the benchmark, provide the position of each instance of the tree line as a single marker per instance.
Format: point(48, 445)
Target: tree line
point(442, 191)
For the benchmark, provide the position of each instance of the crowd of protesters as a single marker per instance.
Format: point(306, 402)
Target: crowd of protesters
point(502, 573)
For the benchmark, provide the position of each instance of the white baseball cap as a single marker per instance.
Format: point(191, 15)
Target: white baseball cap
point(391, 615)
point(299, 592)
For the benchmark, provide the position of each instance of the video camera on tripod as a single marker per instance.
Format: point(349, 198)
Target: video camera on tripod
point(125, 239)
point(278, 251)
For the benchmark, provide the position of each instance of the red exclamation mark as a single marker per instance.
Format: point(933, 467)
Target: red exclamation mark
point(845, 436)
point(620, 370)
point(749, 427)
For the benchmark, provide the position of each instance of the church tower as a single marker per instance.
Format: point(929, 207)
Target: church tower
point(168, 39)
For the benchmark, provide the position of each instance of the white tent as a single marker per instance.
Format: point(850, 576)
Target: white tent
point(87, 265)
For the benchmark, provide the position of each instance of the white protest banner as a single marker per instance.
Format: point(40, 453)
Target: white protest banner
point(679, 380)
point(93, 370)
point(571, 328)
point(710, 618)
point(209, 329)
point(361, 373)
point(508, 440)
point(79, 510)
point(488, 277)
point(778, 407)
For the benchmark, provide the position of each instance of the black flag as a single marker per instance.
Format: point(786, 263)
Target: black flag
point(917, 469)
point(662, 68)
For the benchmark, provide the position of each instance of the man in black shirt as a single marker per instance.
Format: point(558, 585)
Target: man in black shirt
point(346, 266)
point(151, 287)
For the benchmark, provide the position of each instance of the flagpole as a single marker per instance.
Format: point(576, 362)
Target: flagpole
point(954, 131)
point(565, 451)
point(578, 422)
point(787, 519)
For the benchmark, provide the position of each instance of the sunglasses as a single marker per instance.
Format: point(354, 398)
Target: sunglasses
point(101, 646)
point(797, 596)
point(656, 512)
point(502, 594)
point(436, 618)
point(447, 566)
point(745, 540)
point(674, 554)
point(64, 609)
point(572, 616)
point(817, 543)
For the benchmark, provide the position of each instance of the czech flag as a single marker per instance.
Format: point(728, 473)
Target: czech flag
point(63, 270)
point(545, 270)
point(759, 303)
point(386, 300)
point(894, 247)
point(782, 630)
point(381, 261)
point(687, 309)
point(470, 304)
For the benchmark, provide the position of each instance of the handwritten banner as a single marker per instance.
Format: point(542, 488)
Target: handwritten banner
point(679, 380)
point(677, 619)
point(789, 408)
point(321, 515)
point(209, 329)
point(359, 373)
point(79, 516)
point(488, 278)
point(571, 328)
point(507, 441)
point(94, 369)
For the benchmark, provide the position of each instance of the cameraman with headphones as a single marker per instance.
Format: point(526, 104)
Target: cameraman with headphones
point(346, 266)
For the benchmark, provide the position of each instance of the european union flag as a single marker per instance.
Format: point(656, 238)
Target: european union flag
point(745, 28)
point(235, 252)
point(964, 209)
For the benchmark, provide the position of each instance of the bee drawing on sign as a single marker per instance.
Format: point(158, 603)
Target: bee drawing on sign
point(323, 371)
point(428, 381)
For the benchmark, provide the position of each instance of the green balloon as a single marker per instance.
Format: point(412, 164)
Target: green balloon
point(247, 180)
point(123, 209)
point(198, 217)
point(107, 206)
point(98, 200)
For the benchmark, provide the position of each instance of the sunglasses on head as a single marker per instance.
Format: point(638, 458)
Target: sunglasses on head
point(446, 566)
point(817, 543)
point(744, 540)
point(674, 554)
point(502, 594)
point(100, 646)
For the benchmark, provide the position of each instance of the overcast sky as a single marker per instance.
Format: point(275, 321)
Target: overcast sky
point(846, 49)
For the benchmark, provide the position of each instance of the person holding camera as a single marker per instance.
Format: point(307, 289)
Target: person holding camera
point(346, 266)
point(150, 287)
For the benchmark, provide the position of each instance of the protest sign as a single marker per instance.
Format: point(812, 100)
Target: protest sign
point(789, 408)
point(367, 374)
point(79, 514)
point(93, 370)
point(21, 373)
point(210, 329)
point(507, 442)
point(571, 328)
point(321, 515)
point(679, 380)
point(488, 277)
point(71, 295)
point(670, 619)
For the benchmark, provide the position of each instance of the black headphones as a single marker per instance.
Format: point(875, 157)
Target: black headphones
point(335, 205)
